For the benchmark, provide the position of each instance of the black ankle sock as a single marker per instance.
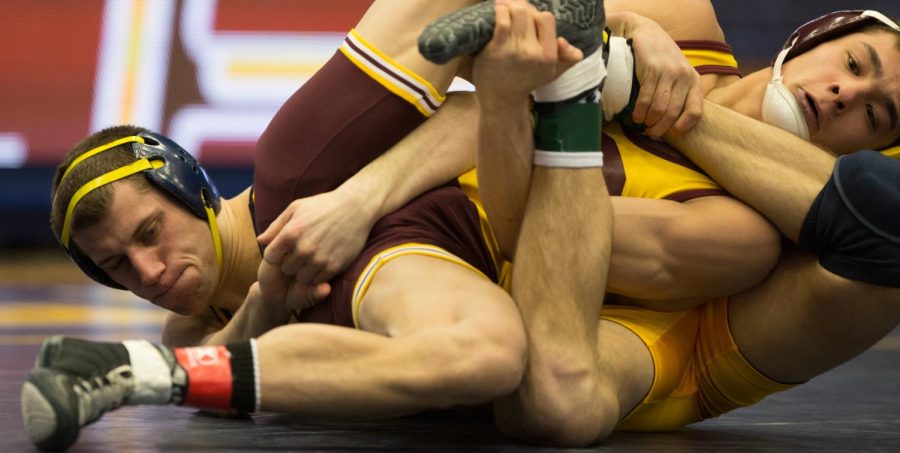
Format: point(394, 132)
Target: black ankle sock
point(243, 391)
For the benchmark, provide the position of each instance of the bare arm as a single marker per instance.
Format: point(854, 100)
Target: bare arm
point(772, 170)
point(254, 318)
point(707, 247)
point(713, 246)
point(182, 331)
point(504, 177)
point(671, 90)
point(316, 237)
point(439, 151)
point(682, 19)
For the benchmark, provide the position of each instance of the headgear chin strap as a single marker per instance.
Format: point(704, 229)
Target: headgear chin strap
point(164, 164)
point(780, 108)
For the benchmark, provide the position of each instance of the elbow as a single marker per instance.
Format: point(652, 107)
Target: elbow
point(764, 256)
point(499, 361)
point(474, 369)
point(754, 256)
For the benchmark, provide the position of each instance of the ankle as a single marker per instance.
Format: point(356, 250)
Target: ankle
point(219, 377)
point(567, 135)
point(572, 85)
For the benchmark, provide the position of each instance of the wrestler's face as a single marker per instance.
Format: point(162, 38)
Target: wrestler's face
point(849, 90)
point(155, 248)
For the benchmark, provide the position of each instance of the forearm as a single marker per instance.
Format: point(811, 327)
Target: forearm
point(682, 19)
point(440, 150)
point(773, 171)
point(321, 370)
point(335, 372)
point(316, 237)
point(250, 321)
point(622, 23)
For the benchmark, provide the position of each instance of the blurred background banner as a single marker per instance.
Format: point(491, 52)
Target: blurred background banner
point(210, 74)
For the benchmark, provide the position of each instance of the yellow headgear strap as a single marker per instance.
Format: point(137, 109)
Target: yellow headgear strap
point(214, 230)
point(98, 150)
point(98, 182)
point(124, 172)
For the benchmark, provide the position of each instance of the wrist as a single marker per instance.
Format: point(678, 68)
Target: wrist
point(265, 317)
point(623, 23)
point(364, 196)
point(262, 315)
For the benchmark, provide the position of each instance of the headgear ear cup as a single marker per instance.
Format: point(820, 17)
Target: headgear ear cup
point(167, 166)
point(182, 176)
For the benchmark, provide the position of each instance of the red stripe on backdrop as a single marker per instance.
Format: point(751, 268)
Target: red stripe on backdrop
point(48, 55)
point(289, 15)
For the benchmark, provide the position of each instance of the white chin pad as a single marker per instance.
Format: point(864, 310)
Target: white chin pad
point(781, 109)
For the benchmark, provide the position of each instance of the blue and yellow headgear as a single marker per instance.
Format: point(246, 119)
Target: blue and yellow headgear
point(167, 166)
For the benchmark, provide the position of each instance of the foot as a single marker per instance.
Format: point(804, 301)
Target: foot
point(56, 404)
point(74, 383)
point(466, 31)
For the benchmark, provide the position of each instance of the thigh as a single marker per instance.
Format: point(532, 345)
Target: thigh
point(646, 356)
point(803, 320)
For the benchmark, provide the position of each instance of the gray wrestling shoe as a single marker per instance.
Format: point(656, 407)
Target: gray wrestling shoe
point(466, 31)
point(57, 402)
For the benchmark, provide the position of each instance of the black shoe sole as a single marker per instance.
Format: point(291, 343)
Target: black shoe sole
point(49, 420)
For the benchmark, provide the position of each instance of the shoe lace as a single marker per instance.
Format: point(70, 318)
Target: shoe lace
point(102, 393)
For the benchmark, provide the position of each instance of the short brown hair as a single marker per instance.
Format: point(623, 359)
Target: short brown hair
point(92, 207)
point(882, 27)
